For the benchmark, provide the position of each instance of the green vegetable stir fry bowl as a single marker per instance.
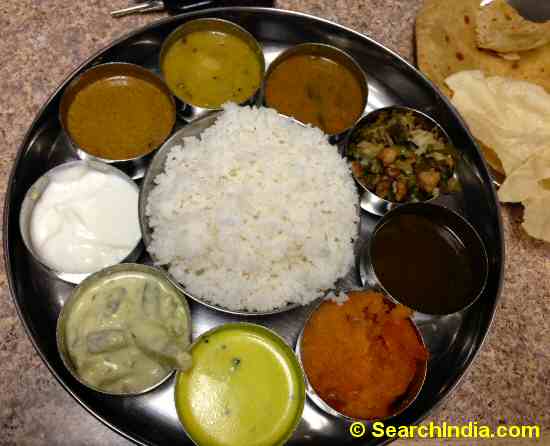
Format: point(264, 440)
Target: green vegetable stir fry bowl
point(400, 155)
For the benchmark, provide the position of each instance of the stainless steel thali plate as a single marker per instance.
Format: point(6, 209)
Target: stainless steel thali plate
point(151, 419)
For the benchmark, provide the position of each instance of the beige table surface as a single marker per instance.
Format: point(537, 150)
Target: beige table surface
point(44, 40)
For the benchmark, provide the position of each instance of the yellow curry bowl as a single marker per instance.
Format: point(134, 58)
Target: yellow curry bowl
point(207, 62)
point(245, 386)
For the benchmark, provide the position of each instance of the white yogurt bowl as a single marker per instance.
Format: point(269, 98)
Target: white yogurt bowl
point(72, 273)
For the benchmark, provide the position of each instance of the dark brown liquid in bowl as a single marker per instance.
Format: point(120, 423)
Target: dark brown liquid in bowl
point(425, 266)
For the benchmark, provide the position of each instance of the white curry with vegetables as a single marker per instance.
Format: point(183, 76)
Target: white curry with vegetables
point(127, 332)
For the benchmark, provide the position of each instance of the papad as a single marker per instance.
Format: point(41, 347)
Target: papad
point(510, 116)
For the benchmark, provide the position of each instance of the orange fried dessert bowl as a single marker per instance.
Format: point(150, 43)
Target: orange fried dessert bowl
point(364, 358)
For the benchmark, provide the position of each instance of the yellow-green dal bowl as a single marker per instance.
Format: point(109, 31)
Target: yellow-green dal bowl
point(207, 62)
point(246, 387)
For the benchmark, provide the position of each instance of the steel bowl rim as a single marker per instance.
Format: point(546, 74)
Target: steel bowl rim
point(83, 153)
point(322, 404)
point(243, 34)
point(366, 265)
point(293, 358)
point(29, 202)
point(75, 295)
point(148, 183)
point(360, 75)
point(388, 205)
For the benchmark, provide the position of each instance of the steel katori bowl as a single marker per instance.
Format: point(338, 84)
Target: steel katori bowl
point(267, 337)
point(329, 52)
point(452, 227)
point(193, 129)
point(135, 167)
point(103, 275)
point(405, 401)
point(33, 196)
point(192, 111)
point(370, 201)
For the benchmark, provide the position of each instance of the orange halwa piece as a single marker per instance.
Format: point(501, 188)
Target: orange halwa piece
point(362, 356)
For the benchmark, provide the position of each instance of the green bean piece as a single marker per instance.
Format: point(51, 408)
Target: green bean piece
point(103, 341)
point(151, 300)
point(101, 372)
point(156, 342)
point(113, 300)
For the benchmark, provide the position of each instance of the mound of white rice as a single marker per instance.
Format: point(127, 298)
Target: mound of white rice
point(257, 213)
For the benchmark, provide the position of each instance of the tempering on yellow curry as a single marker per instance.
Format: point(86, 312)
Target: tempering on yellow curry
point(208, 68)
point(120, 117)
point(315, 90)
